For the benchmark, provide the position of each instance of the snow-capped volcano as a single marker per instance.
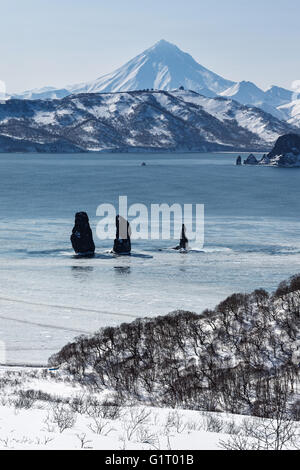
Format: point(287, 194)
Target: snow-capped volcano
point(161, 67)
point(166, 67)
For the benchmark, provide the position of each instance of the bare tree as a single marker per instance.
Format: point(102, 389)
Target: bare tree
point(134, 420)
point(83, 441)
point(64, 417)
point(264, 434)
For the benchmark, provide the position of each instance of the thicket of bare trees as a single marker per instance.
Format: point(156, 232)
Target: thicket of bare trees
point(242, 357)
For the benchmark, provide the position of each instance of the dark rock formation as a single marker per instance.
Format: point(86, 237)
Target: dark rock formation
point(286, 152)
point(289, 143)
point(239, 160)
point(82, 237)
point(251, 160)
point(122, 243)
point(183, 240)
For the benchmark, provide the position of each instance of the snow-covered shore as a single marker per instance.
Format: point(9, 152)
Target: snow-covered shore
point(32, 402)
point(43, 410)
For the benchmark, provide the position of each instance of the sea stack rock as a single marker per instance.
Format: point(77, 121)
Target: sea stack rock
point(286, 152)
point(251, 160)
point(239, 160)
point(82, 237)
point(183, 240)
point(122, 243)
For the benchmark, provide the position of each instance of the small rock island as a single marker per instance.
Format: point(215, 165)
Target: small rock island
point(82, 236)
point(286, 153)
point(251, 160)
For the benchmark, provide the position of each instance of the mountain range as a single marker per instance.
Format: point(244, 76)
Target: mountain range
point(165, 67)
point(180, 120)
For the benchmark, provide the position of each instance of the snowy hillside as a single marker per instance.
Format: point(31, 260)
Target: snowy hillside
point(66, 415)
point(43, 410)
point(144, 121)
point(269, 101)
point(245, 93)
point(292, 112)
point(238, 358)
point(277, 96)
point(227, 378)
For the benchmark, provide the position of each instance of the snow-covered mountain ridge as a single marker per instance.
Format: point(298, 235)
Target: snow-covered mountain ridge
point(165, 67)
point(136, 121)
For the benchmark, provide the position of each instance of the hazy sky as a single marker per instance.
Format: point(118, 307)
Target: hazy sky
point(60, 42)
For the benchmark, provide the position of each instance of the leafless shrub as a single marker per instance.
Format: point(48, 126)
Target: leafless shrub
point(49, 425)
point(94, 408)
point(4, 401)
point(83, 441)
point(238, 442)
point(192, 426)
point(145, 436)
point(214, 424)
point(100, 426)
point(47, 440)
point(295, 411)
point(111, 409)
point(232, 428)
point(64, 417)
point(175, 421)
point(23, 402)
point(79, 404)
point(5, 442)
point(35, 395)
point(134, 420)
point(264, 434)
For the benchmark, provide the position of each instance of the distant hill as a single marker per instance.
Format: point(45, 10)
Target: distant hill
point(136, 121)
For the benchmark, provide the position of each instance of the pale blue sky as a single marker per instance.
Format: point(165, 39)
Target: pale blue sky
point(60, 42)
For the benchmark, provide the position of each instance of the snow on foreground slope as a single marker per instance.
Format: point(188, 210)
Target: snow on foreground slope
point(41, 410)
point(172, 382)
point(144, 121)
